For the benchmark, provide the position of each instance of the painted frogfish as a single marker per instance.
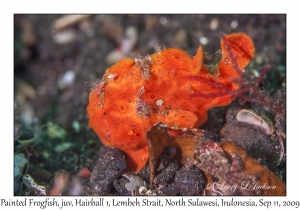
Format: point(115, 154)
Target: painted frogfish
point(168, 86)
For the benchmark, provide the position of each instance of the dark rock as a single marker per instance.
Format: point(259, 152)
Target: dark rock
point(170, 190)
point(166, 176)
point(189, 181)
point(145, 172)
point(167, 157)
point(109, 167)
point(119, 186)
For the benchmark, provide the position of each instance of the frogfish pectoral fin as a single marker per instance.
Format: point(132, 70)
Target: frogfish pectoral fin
point(178, 119)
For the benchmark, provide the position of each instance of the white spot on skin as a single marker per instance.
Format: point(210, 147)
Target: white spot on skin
point(112, 76)
point(159, 102)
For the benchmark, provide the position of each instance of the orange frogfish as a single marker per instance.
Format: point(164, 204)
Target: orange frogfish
point(136, 93)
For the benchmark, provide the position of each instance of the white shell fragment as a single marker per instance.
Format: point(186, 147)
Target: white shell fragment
point(250, 117)
point(64, 37)
point(67, 80)
point(142, 190)
point(68, 20)
point(135, 182)
point(130, 39)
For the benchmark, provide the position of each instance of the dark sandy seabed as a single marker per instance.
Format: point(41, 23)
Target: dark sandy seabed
point(55, 66)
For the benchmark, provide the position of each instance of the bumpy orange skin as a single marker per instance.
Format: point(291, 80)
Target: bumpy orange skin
point(116, 121)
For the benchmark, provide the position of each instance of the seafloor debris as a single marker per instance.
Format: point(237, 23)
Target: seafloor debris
point(61, 179)
point(231, 171)
point(216, 169)
point(20, 168)
point(248, 116)
point(68, 20)
point(255, 134)
point(84, 173)
point(159, 140)
point(128, 41)
point(189, 181)
point(135, 182)
point(31, 184)
point(110, 166)
point(129, 184)
point(148, 192)
point(119, 186)
point(166, 176)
